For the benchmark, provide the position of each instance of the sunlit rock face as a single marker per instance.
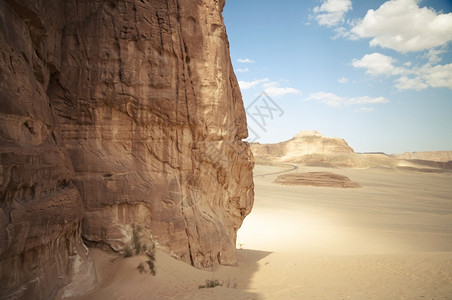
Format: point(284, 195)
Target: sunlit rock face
point(117, 113)
point(303, 143)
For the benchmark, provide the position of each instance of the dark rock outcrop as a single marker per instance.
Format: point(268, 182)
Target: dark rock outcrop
point(322, 179)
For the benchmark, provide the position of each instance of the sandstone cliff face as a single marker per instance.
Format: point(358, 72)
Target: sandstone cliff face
point(117, 113)
point(40, 208)
point(151, 114)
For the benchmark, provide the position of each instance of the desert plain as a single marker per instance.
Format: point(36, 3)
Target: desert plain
point(390, 238)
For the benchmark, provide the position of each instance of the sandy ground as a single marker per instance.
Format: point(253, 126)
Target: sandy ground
point(389, 239)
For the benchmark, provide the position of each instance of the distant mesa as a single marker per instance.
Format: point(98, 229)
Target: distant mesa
point(304, 143)
point(311, 148)
point(321, 179)
point(439, 156)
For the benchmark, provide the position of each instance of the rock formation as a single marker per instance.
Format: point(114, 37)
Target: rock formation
point(321, 179)
point(304, 143)
point(438, 156)
point(116, 113)
point(311, 148)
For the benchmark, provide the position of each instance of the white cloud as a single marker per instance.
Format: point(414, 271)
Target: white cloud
point(376, 64)
point(433, 55)
point(365, 109)
point(403, 26)
point(281, 91)
point(244, 70)
point(342, 80)
point(334, 100)
point(407, 83)
point(331, 12)
point(273, 89)
point(409, 77)
point(365, 100)
point(245, 60)
point(245, 85)
point(342, 32)
point(437, 76)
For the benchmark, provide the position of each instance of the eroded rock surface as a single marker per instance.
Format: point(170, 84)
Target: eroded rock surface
point(117, 113)
point(40, 208)
point(306, 142)
point(321, 179)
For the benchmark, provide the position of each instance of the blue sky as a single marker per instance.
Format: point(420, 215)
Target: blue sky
point(376, 73)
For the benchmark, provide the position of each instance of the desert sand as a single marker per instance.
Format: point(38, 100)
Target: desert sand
point(389, 239)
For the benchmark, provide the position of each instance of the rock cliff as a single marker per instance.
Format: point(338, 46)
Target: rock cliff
point(114, 114)
point(304, 143)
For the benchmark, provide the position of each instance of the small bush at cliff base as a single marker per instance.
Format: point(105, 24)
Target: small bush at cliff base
point(151, 252)
point(151, 267)
point(140, 248)
point(141, 268)
point(136, 231)
point(231, 283)
point(128, 252)
point(151, 255)
point(210, 284)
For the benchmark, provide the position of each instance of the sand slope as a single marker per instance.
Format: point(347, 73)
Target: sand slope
point(389, 239)
point(439, 156)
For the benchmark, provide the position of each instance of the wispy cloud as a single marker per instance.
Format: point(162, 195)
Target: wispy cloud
point(364, 109)
point(244, 70)
point(273, 89)
point(334, 100)
point(434, 55)
point(408, 76)
point(331, 12)
point(245, 85)
point(403, 26)
point(342, 80)
point(410, 83)
point(245, 60)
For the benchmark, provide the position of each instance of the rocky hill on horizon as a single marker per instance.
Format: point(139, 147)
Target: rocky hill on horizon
point(303, 143)
point(311, 148)
point(439, 156)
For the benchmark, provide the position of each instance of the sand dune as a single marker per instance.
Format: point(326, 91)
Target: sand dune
point(389, 239)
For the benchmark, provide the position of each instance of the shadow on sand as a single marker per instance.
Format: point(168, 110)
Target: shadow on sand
point(120, 279)
point(237, 279)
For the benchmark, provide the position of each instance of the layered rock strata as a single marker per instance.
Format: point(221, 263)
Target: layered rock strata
point(304, 143)
point(114, 114)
